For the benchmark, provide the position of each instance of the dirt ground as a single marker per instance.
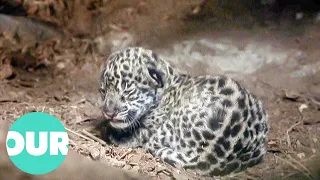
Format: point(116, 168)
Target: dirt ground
point(60, 77)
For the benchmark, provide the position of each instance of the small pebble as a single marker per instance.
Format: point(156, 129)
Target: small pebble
point(302, 107)
point(151, 168)
point(301, 155)
point(95, 153)
point(127, 167)
point(61, 65)
point(117, 163)
point(135, 168)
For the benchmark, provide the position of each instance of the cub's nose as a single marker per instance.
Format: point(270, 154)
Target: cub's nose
point(110, 109)
point(110, 112)
point(109, 115)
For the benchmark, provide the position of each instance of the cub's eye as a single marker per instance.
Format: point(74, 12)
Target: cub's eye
point(156, 76)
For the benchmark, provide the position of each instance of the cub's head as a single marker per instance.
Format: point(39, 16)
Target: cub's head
point(132, 83)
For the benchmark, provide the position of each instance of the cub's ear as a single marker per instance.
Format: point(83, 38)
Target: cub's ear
point(155, 75)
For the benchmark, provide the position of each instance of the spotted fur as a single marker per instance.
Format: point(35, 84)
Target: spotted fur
point(209, 124)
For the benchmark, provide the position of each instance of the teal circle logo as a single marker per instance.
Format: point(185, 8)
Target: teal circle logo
point(37, 143)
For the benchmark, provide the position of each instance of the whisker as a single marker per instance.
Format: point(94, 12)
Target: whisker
point(128, 120)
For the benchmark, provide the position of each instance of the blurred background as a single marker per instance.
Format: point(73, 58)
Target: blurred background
point(51, 52)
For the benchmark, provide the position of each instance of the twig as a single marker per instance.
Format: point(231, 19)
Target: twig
point(80, 101)
point(133, 164)
point(126, 153)
point(102, 142)
point(80, 135)
point(164, 171)
point(294, 167)
point(289, 130)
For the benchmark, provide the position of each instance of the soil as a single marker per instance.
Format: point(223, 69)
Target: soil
point(61, 78)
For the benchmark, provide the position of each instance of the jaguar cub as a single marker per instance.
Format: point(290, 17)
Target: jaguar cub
point(209, 124)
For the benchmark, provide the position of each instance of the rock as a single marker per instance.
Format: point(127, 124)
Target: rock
point(127, 167)
point(135, 168)
point(5, 71)
point(28, 30)
point(95, 153)
point(301, 155)
point(117, 163)
point(149, 167)
point(148, 156)
point(61, 65)
point(315, 140)
point(136, 158)
point(291, 95)
point(302, 107)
